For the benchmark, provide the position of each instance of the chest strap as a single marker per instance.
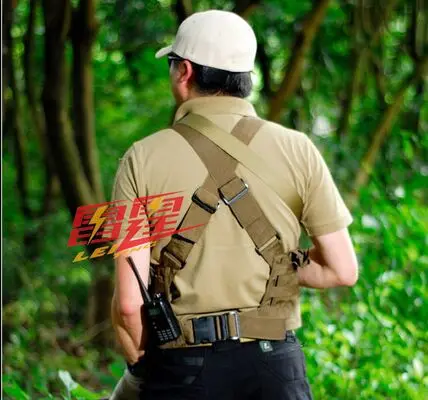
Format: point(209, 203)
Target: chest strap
point(275, 314)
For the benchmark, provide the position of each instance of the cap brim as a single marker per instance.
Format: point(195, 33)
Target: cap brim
point(164, 51)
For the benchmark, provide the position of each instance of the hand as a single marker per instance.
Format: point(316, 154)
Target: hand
point(128, 388)
point(138, 369)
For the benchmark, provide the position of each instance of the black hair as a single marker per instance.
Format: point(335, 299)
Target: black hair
point(211, 81)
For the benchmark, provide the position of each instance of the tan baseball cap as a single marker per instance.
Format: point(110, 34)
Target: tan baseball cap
point(217, 39)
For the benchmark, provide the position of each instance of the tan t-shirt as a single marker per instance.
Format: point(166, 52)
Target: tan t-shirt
point(223, 271)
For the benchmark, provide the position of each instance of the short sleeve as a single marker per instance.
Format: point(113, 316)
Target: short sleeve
point(127, 186)
point(324, 210)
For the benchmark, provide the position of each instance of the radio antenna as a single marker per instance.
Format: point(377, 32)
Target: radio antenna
point(144, 292)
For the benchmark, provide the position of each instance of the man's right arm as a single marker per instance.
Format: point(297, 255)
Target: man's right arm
point(333, 262)
point(127, 303)
point(326, 218)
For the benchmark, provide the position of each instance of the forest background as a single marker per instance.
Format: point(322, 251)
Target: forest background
point(81, 84)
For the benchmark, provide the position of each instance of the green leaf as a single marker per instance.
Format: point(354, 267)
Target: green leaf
point(67, 380)
point(77, 391)
point(13, 390)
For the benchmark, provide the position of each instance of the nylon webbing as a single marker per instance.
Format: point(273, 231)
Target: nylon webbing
point(174, 255)
point(248, 158)
point(246, 210)
point(270, 319)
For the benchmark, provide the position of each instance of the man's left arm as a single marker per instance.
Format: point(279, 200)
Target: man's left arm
point(326, 219)
point(333, 262)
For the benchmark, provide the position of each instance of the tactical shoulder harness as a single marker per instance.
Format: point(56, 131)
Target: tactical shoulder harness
point(276, 312)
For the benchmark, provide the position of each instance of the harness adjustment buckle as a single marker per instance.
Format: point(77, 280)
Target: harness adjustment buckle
point(205, 206)
point(242, 192)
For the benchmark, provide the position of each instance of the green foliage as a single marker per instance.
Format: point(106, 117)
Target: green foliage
point(72, 391)
point(368, 342)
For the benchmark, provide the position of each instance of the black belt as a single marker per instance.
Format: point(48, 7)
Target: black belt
point(219, 328)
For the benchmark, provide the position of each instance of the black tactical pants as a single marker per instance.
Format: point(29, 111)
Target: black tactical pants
point(259, 370)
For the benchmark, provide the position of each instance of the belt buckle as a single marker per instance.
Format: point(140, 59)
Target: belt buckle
point(235, 316)
point(203, 330)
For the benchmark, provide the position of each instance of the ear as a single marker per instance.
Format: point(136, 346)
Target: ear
point(185, 70)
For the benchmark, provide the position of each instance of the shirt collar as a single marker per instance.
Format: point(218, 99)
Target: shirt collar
point(207, 105)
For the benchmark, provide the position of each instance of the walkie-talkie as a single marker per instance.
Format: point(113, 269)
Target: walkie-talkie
point(159, 312)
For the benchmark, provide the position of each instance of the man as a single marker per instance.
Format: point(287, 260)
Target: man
point(236, 298)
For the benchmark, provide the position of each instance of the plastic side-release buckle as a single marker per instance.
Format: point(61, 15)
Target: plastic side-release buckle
point(299, 258)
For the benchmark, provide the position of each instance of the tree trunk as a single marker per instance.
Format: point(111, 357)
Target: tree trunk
point(265, 68)
point(37, 122)
point(359, 57)
point(294, 70)
point(380, 133)
point(80, 185)
point(245, 7)
point(358, 61)
point(413, 121)
point(74, 184)
point(14, 117)
point(29, 78)
point(84, 29)
point(182, 9)
point(8, 6)
point(380, 80)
